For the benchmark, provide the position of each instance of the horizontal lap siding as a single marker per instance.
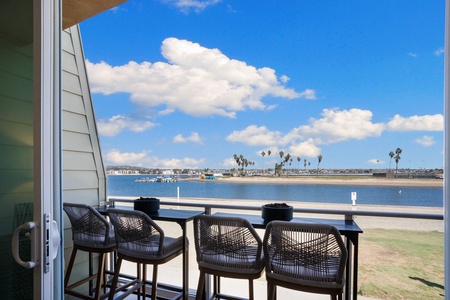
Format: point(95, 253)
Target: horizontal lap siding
point(82, 165)
point(84, 179)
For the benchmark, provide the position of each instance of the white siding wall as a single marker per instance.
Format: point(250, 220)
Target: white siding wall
point(84, 177)
point(83, 169)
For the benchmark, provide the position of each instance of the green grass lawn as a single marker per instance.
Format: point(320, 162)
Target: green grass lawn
point(401, 264)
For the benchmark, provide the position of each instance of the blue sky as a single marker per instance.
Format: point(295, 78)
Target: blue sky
point(190, 83)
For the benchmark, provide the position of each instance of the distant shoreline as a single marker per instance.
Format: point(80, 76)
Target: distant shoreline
point(328, 180)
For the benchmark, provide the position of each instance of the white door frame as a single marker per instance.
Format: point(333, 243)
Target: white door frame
point(47, 147)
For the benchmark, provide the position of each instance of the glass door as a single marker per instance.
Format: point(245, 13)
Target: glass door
point(29, 150)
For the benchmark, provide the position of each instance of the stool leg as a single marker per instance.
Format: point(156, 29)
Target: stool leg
point(154, 282)
point(139, 277)
point(101, 266)
point(200, 286)
point(144, 279)
point(115, 279)
point(70, 266)
point(250, 289)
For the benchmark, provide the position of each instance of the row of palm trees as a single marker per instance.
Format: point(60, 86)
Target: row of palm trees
point(242, 162)
point(285, 159)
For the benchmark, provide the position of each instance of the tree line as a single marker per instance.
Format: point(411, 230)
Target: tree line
point(285, 160)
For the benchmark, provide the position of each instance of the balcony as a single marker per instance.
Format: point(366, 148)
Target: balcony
point(372, 219)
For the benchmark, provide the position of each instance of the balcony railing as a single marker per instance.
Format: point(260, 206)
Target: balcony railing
point(216, 206)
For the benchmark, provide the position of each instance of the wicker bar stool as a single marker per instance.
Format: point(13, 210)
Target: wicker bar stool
point(304, 257)
point(140, 240)
point(91, 233)
point(227, 247)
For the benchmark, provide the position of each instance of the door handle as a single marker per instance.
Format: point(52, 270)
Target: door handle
point(15, 245)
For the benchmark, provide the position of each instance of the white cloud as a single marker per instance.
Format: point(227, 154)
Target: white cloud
point(229, 163)
point(339, 125)
point(375, 161)
point(142, 159)
point(284, 78)
point(116, 124)
point(439, 51)
point(335, 126)
point(196, 5)
point(116, 157)
point(426, 141)
point(413, 54)
point(175, 163)
point(417, 123)
point(196, 80)
point(256, 136)
point(194, 138)
point(306, 148)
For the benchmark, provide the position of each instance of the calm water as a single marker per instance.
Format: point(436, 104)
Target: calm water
point(406, 196)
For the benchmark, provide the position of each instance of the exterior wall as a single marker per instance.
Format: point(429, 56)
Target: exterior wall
point(84, 176)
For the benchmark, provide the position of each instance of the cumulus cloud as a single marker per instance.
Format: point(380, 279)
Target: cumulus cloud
point(196, 80)
point(426, 141)
point(417, 123)
point(334, 126)
point(116, 124)
point(142, 159)
point(306, 148)
point(256, 136)
point(196, 5)
point(340, 125)
point(194, 138)
point(229, 163)
point(116, 157)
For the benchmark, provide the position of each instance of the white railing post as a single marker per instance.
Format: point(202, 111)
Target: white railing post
point(447, 150)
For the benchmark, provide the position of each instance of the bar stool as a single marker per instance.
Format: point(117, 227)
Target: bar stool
point(140, 240)
point(227, 247)
point(304, 257)
point(91, 233)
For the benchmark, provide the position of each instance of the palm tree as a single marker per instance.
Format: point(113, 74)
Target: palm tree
point(304, 163)
point(280, 167)
point(319, 159)
point(391, 155)
point(398, 151)
point(286, 160)
point(263, 154)
point(298, 161)
point(290, 163)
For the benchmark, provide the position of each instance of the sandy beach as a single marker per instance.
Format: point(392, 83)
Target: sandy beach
point(340, 180)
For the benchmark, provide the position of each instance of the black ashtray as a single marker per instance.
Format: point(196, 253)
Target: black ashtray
point(277, 211)
point(147, 205)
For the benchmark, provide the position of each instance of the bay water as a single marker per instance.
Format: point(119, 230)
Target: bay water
point(125, 185)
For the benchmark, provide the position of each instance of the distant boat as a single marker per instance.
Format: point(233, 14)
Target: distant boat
point(165, 179)
point(146, 179)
